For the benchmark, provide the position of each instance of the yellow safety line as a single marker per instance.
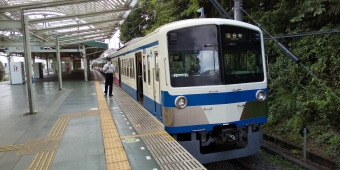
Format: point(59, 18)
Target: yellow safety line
point(114, 152)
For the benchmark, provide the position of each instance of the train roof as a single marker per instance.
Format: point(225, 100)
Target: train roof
point(186, 22)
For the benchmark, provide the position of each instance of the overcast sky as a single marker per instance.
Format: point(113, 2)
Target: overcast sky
point(114, 40)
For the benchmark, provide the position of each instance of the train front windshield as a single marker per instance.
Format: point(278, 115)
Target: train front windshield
point(196, 55)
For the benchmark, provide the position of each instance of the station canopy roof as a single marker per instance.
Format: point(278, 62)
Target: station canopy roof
point(75, 22)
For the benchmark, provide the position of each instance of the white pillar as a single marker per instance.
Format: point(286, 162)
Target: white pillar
point(59, 65)
point(71, 64)
point(28, 62)
point(55, 65)
point(85, 62)
point(47, 60)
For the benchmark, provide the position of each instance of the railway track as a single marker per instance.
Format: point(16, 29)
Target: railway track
point(282, 148)
point(240, 165)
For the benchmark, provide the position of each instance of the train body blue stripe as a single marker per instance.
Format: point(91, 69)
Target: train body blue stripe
point(139, 48)
point(148, 103)
point(129, 90)
point(209, 127)
point(212, 98)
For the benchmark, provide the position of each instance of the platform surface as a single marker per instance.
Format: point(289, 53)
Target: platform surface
point(80, 128)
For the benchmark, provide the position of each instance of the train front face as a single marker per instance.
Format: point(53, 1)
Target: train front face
point(217, 93)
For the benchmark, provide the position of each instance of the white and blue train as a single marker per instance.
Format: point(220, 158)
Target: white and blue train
point(205, 80)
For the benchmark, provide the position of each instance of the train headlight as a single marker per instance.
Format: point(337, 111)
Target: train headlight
point(181, 102)
point(261, 95)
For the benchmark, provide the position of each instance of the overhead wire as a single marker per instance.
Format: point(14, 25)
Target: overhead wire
point(142, 21)
point(332, 31)
point(260, 26)
point(148, 17)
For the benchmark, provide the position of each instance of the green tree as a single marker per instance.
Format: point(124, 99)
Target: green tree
point(2, 71)
point(151, 14)
point(129, 28)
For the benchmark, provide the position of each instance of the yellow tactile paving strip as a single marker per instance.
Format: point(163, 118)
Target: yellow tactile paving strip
point(115, 155)
point(167, 152)
point(45, 148)
point(10, 148)
point(50, 142)
point(149, 134)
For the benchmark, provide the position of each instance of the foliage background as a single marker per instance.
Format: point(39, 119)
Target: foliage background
point(295, 97)
point(2, 71)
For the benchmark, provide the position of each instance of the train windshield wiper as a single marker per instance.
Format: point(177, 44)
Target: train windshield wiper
point(252, 73)
point(232, 71)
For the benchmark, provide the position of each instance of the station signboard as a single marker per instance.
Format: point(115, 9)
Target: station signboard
point(20, 49)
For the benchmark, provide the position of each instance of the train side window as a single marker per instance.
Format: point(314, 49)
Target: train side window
point(121, 64)
point(148, 58)
point(117, 68)
point(131, 70)
point(128, 67)
point(123, 67)
point(144, 74)
point(157, 67)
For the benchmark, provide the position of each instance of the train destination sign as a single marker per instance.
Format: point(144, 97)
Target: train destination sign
point(234, 36)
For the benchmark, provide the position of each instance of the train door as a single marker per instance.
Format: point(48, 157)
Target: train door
point(156, 84)
point(119, 75)
point(139, 79)
point(149, 80)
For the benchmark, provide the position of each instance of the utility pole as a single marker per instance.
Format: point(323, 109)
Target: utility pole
point(238, 13)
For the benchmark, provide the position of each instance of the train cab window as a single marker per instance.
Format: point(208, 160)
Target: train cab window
point(157, 67)
point(144, 74)
point(194, 56)
point(148, 58)
point(242, 55)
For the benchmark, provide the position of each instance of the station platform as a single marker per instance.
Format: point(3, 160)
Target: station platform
point(80, 128)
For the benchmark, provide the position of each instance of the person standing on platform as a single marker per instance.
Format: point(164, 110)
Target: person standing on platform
point(109, 71)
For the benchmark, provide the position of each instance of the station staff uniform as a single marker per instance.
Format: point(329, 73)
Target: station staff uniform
point(108, 76)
